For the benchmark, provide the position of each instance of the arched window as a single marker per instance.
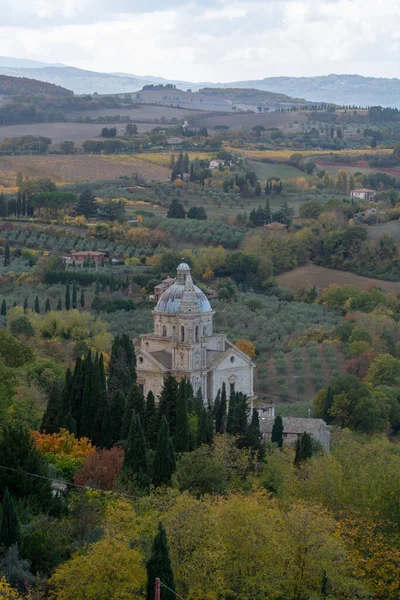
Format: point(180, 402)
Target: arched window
point(164, 331)
point(182, 333)
point(197, 333)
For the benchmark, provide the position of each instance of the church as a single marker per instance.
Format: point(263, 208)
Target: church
point(184, 344)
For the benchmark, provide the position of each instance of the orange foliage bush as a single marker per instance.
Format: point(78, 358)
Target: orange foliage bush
point(63, 442)
point(246, 347)
point(101, 469)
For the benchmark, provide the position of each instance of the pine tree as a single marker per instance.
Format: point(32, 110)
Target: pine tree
point(47, 307)
point(277, 431)
point(74, 297)
point(67, 298)
point(7, 255)
point(164, 464)
point(10, 531)
point(25, 305)
point(122, 366)
point(220, 411)
point(159, 567)
point(3, 310)
point(59, 305)
point(82, 301)
point(37, 306)
point(87, 205)
point(168, 401)
point(181, 438)
point(303, 449)
point(253, 434)
point(151, 421)
point(135, 457)
point(327, 405)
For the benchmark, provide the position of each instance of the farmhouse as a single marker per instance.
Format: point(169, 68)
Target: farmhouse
point(294, 427)
point(78, 259)
point(214, 164)
point(363, 216)
point(184, 344)
point(363, 194)
point(275, 227)
point(174, 141)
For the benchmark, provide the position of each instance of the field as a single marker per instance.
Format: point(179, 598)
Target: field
point(286, 154)
point(267, 170)
point(249, 120)
point(361, 167)
point(393, 227)
point(69, 169)
point(310, 275)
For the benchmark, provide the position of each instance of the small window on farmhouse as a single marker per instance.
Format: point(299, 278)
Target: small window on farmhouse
point(164, 331)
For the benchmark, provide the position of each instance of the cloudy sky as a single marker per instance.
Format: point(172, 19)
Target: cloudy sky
point(214, 40)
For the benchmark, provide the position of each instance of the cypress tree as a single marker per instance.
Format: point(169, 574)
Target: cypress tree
point(86, 408)
point(82, 301)
point(47, 307)
point(238, 417)
point(327, 405)
point(99, 401)
point(150, 421)
point(122, 367)
point(7, 255)
point(277, 431)
point(220, 411)
point(10, 531)
point(3, 310)
point(164, 459)
point(37, 307)
point(303, 449)
point(253, 434)
point(54, 409)
point(74, 296)
point(159, 567)
point(231, 412)
point(59, 306)
point(135, 457)
point(138, 402)
point(168, 402)
point(206, 428)
point(67, 298)
point(25, 304)
point(181, 438)
point(112, 420)
point(134, 402)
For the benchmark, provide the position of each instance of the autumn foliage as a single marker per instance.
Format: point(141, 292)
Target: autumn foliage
point(246, 347)
point(63, 442)
point(101, 469)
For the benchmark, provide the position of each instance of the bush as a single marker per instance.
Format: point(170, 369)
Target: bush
point(199, 473)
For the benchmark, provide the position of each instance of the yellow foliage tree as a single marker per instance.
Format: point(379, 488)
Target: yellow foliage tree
point(7, 592)
point(63, 442)
point(246, 347)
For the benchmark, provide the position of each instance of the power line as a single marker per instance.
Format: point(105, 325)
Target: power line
point(169, 589)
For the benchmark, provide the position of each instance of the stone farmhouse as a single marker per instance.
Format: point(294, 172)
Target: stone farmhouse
point(294, 427)
point(363, 194)
point(78, 259)
point(184, 344)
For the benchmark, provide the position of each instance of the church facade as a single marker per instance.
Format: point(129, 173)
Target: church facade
point(184, 344)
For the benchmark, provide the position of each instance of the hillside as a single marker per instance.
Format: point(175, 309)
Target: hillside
point(252, 95)
point(22, 86)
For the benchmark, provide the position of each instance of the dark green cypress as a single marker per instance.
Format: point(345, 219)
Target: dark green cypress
point(54, 410)
point(182, 435)
point(206, 428)
point(112, 420)
point(327, 405)
point(150, 422)
point(134, 402)
point(253, 435)
point(231, 413)
point(159, 567)
point(59, 306)
point(67, 298)
point(37, 306)
point(168, 402)
point(74, 296)
point(122, 367)
point(99, 399)
point(7, 255)
point(3, 310)
point(82, 301)
point(277, 431)
point(220, 411)
point(303, 449)
point(47, 307)
point(26, 305)
point(164, 463)
point(138, 402)
point(85, 421)
point(10, 530)
point(135, 458)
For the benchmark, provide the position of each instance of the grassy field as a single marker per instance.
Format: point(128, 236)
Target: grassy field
point(69, 169)
point(249, 120)
point(287, 153)
point(267, 170)
point(310, 275)
point(393, 227)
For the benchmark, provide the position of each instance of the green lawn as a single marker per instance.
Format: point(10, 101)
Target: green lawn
point(266, 170)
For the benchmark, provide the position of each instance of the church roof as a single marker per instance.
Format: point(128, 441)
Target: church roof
point(163, 357)
point(183, 296)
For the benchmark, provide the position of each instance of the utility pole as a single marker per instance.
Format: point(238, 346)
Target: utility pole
point(157, 589)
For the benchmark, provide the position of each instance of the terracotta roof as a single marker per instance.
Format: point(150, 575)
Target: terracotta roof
point(364, 190)
point(87, 252)
point(293, 425)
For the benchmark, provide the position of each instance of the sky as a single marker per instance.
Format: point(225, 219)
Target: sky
point(207, 40)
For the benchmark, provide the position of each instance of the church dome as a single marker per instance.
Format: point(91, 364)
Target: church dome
point(183, 295)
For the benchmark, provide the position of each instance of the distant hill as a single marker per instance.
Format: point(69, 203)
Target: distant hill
point(22, 86)
point(251, 95)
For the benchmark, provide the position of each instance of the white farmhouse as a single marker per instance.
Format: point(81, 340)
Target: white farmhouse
point(184, 344)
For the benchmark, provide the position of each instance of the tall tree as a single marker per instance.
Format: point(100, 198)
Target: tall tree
point(159, 567)
point(82, 300)
point(37, 306)
point(122, 366)
point(10, 530)
point(238, 416)
point(253, 434)
point(327, 405)
point(59, 306)
point(134, 403)
point(150, 427)
point(26, 306)
point(168, 401)
point(220, 410)
point(135, 457)
point(182, 437)
point(67, 298)
point(7, 255)
point(3, 310)
point(277, 431)
point(87, 205)
point(47, 307)
point(176, 210)
point(112, 420)
point(303, 449)
point(74, 296)
point(205, 434)
point(164, 463)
